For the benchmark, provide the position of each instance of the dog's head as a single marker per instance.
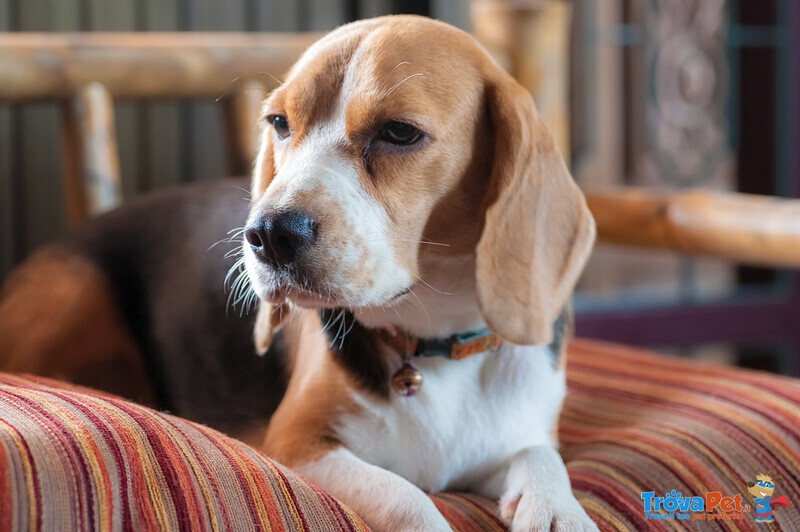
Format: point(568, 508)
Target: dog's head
point(401, 130)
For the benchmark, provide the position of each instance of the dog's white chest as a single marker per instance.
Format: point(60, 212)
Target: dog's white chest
point(469, 417)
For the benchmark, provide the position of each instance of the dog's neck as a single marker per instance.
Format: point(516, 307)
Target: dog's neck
point(442, 302)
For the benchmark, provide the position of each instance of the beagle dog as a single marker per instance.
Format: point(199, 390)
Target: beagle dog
point(417, 235)
point(413, 237)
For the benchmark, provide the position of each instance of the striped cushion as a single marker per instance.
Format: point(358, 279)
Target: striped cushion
point(469, 513)
point(636, 422)
point(71, 459)
point(633, 422)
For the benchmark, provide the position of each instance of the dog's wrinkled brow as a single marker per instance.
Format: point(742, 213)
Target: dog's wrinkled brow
point(313, 97)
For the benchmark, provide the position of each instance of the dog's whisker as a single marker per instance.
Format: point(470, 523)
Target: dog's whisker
point(233, 253)
point(233, 234)
point(347, 329)
point(240, 292)
point(217, 243)
point(236, 231)
point(352, 324)
point(422, 306)
point(226, 240)
point(235, 269)
point(328, 325)
point(249, 302)
point(243, 308)
point(328, 288)
point(341, 328)
point(239, 87)
point(325, 327)
point(229, 302)
point(234, 293)
point(336, 320)
point(241, 286)
point(430, 243)
point(401, 63)
point(227, 283)
point(399, 317)
point(239, 283)
point(276, 79)
point(241, 295)
point(249, 194)
point(396, 85)
point(424, 282)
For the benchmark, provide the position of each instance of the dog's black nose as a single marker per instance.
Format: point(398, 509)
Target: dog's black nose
point(280, 237)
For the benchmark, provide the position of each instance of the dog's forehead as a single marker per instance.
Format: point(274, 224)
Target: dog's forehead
point(390, 60)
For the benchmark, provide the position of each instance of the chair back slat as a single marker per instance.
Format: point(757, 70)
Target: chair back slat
point(137, 66)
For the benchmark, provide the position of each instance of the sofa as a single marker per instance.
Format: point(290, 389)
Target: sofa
point(635, 426)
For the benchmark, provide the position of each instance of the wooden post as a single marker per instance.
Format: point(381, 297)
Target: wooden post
point(531, 38)
point(745, 228)
point(92, 180)
point(242, 111)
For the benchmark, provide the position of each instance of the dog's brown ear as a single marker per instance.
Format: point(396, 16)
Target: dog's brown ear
point(538, 231)
point(269, 320)
point(264, 168)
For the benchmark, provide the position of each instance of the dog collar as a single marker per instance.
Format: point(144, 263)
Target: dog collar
point(408, 379)
point(456, 346)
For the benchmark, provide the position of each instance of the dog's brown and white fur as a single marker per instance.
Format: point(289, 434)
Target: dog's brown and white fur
point(475, 223)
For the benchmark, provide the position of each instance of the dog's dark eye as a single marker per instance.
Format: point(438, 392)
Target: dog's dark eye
point(399, 133)
point(280, 124)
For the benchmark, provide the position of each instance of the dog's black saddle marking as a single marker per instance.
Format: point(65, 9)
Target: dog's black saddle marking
point(358, 351)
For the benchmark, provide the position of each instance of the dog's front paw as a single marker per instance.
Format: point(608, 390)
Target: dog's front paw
point(538, 495)
point(534, 510)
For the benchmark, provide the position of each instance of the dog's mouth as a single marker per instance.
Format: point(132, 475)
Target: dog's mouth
point(301, 297)
point(307, 297)
point(306, 288)
point(398, 296)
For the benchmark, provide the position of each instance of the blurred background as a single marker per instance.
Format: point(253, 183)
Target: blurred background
point(664, 94)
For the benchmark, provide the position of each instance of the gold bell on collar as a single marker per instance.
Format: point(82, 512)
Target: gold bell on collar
point(408, 380)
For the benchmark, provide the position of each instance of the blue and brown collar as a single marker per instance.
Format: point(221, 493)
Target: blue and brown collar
point(455, 347)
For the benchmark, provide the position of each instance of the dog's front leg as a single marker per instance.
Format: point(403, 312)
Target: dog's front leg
point(384, 500)
point(537, 495)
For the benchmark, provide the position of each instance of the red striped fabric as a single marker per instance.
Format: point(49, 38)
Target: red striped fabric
point(636, 422)
point(73, 459)
point(468, 513)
